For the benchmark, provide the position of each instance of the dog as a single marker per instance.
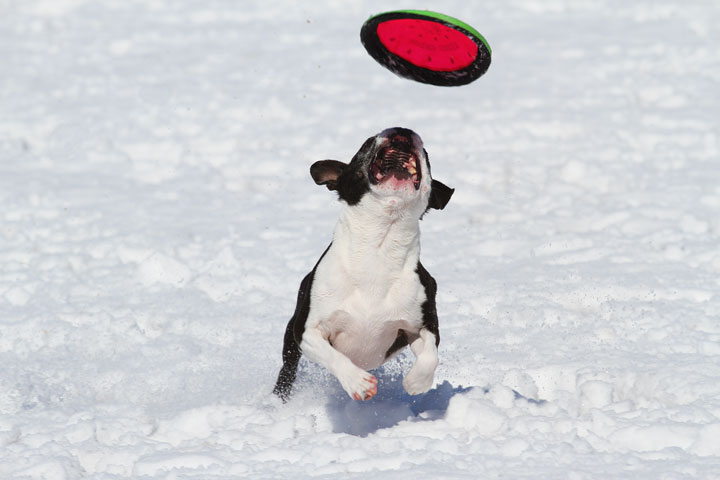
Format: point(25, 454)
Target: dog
point(369, 296)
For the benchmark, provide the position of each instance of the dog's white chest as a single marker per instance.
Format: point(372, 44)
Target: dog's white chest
point(362, 296)
point(363, 320)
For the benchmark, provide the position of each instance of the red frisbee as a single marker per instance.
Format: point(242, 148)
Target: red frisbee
point(426, 46)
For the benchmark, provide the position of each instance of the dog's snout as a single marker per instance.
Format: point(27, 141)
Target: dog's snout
point(401, 143)
point(399, 138)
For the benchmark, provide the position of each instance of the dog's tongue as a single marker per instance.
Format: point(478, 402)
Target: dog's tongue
point(397, 182)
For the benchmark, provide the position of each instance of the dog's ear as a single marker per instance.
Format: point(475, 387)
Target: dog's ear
point(439, 195)
point(326, 172)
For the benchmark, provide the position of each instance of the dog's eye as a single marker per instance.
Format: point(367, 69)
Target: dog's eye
point(359, 174)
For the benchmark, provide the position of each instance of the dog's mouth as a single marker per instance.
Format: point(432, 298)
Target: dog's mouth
point(395, 161)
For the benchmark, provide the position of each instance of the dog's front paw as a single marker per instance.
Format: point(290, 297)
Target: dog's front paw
point(359, 384)
point(419, 379)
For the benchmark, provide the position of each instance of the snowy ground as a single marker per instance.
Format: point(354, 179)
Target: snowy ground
point(157, 216)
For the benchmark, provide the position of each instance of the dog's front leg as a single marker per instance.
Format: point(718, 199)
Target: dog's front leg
point(420, 377)
point(358, 383)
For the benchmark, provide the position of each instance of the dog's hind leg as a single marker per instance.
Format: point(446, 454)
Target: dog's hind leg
point(293, 333)
point(291, 356)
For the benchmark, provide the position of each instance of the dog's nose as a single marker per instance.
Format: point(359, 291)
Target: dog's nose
point(399, 141)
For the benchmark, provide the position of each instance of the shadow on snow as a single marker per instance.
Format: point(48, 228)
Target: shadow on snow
point(390, 406)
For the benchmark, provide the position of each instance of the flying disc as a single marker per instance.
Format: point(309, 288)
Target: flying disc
point(427, 47)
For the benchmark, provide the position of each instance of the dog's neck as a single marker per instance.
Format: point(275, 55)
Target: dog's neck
point(379, 230)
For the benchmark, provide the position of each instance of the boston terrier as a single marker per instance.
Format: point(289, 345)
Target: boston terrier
point(368, 295)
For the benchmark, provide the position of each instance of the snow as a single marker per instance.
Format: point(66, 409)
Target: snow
point(157, 216)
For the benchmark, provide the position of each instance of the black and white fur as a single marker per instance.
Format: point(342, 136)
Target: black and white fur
point(368, 295)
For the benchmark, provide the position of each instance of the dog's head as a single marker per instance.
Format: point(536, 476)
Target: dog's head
point(392, 165)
